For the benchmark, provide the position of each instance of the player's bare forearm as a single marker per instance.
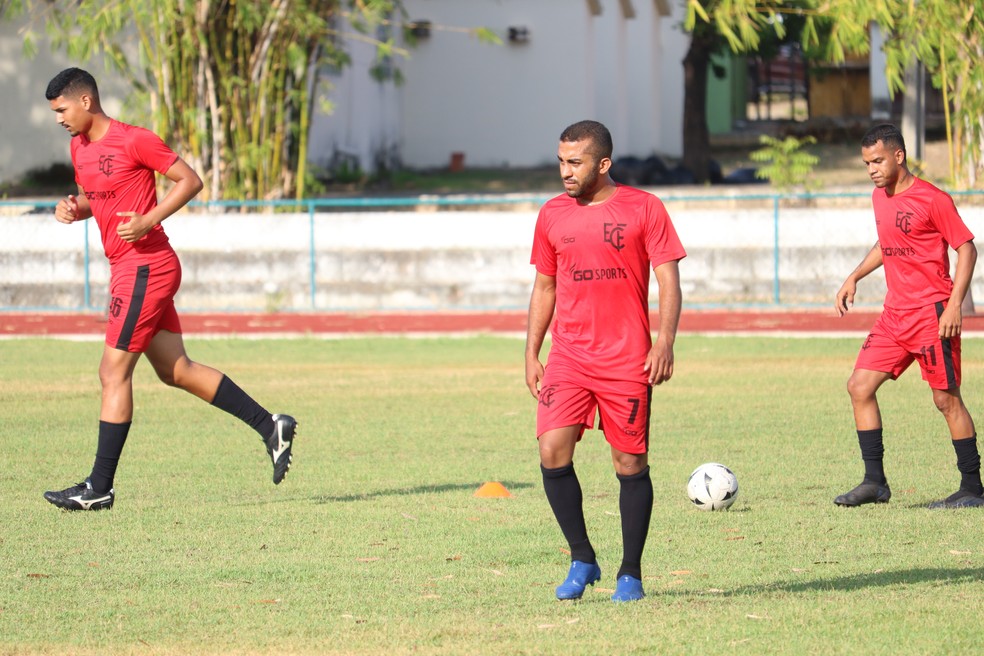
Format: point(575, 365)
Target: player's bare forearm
point(542, 302)
point(844, 299)
point(187, 184)
point(951, 319)
point(659, 363)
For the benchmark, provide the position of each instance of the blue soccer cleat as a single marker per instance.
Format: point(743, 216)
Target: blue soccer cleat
point(580, 576)
point(628, 588)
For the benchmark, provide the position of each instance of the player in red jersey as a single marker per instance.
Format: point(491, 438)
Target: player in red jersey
point(921, 320)
point(115, 167)
point(593, 249)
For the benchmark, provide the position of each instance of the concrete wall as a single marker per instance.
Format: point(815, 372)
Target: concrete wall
point(436, 260)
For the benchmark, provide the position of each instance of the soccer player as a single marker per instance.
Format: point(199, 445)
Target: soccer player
point(114, 169)
point(593, 248)
point(921, 319)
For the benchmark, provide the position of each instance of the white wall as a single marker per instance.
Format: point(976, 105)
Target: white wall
point(506, 105)
point(31, 136)
point(499, 105)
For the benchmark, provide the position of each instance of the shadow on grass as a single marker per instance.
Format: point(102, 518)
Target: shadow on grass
point(860, 581)
point(410, 491)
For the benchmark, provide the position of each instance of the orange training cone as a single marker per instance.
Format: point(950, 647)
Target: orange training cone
point(492, 489)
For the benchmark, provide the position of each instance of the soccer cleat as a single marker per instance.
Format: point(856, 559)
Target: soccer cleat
point(960, 499)
point(628, 588)
point(279, 445)
point(866, 492)
point(81, 497)
point(580, 576)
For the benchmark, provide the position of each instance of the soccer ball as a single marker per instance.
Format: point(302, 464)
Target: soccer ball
point(712, 486)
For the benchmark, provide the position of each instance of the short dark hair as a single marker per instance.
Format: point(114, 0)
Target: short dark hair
point(71, 83)
point(886, 133)
point(599, 135)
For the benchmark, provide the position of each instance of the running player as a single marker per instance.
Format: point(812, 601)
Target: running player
point(921, 320)
point(114, 169)
point(593, 248)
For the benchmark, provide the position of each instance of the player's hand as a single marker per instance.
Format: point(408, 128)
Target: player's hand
point(659, 363)
point(950, 321)
point(534, 374)
point(133, 229)
point(67, 210)
point(844, 300)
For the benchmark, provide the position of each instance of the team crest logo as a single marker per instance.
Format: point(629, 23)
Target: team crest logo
point(613, 235)
point(547, 396)
point(903, 221)
point(867, 343)
point(106, 164)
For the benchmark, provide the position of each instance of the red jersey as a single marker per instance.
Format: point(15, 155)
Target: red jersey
point(601, 257)
point(117, 174)
point(915, 227)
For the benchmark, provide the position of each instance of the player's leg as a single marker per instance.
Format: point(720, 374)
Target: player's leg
point(167, 355)
point(133, 311)
point(563, 412)
point(880, 359)
point(940, 363)
point(625, 414)
point(963, 437)
point(862, 387)
point(564, 494)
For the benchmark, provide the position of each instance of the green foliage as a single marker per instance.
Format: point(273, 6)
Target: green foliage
point(376, 544)
point(944, 36)
point(787, 165)
point(226, 84)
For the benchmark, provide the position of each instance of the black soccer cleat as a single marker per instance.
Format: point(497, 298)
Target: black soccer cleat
point(81, 497)
point(279, 445)
point(866, 492)
point(960, 499)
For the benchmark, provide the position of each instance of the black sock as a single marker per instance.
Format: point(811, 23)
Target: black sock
point(112, 437)
point(564, 494)
point(872, 453)
point(969, 464)
point(231, 398)
point(635, 503)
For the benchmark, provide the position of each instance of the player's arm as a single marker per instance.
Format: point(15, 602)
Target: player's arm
point(542, 302)
point(187, 184)
point(73, 208)
point(951, 318)
point(659, 362)
point(845, 295)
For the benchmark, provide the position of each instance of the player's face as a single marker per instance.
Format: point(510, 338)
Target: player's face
point(884, 164)
point(580, 169)
point(72, 113)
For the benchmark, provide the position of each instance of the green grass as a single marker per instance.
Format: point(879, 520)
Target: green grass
point(375, 543)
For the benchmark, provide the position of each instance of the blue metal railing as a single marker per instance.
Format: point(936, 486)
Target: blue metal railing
point(312, 206)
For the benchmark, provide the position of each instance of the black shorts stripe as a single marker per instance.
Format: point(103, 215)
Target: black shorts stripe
point(947, 352)
point(136, 307)
point(649, 404)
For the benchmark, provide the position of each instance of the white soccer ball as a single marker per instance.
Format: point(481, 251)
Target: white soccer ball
point(712, 486)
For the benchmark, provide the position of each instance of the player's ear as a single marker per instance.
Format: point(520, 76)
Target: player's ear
point(86, 101)
point(604, 165)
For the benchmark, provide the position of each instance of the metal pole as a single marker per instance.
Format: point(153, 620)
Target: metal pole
point(775, 250)
point(312, 264)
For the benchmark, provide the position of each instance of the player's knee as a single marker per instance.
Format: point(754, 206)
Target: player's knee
point(167, 377)
point(947, 403)
point(178, 375)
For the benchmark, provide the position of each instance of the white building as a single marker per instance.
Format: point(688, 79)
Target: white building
point(617, 61)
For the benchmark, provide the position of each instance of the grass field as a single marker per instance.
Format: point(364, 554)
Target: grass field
point(376, 544)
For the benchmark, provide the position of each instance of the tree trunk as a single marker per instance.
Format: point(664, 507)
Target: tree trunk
point(696, 140)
